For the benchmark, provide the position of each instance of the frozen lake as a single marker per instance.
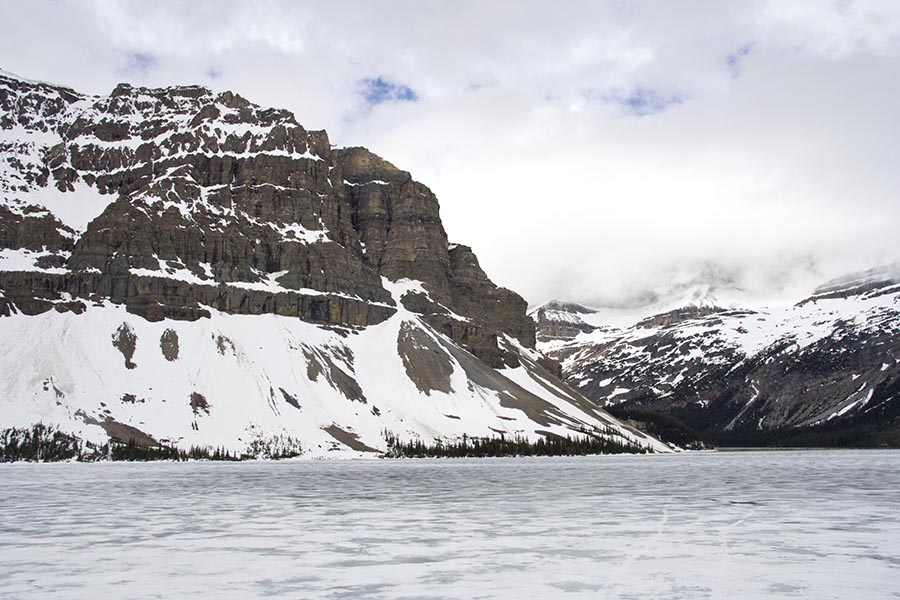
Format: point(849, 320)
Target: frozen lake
point(713, 525)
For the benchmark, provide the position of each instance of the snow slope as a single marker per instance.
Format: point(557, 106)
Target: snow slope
point(832, 356)
point(264, 377)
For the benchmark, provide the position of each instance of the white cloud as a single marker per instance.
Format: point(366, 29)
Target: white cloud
point(777, 164)
point(835, 29)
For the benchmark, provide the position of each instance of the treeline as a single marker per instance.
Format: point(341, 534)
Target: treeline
point(42, 443)
point(475, 447)
point(136, 453)
point(274, 447)
point(39, 444)
point(662, 426)
point(838, 436)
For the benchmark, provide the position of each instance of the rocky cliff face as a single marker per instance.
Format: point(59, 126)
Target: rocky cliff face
point(183, 266)
point(206, 200)
point(825, 371)
point(560, 321)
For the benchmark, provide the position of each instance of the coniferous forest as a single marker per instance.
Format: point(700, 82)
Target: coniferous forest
point(475, 447)
point(42, 443)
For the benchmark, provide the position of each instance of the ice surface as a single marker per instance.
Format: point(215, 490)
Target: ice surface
point(711, 525)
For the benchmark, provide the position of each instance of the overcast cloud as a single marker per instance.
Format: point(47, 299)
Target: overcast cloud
point(594, 151)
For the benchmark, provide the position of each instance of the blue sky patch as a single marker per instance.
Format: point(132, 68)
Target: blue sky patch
point(380, 90)
point(735, 60)
point(140, 62)
point(641, 101)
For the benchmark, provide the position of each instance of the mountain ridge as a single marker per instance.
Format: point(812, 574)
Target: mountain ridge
point(144, 230)
point(826, 363)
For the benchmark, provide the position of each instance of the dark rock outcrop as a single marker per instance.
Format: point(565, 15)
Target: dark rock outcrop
point(206, 200)
point(560, 321)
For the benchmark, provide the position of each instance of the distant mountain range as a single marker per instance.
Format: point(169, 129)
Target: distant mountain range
point(823, 371)
point(184, 267)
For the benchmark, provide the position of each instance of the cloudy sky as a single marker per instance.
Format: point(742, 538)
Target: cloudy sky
point(597, 151)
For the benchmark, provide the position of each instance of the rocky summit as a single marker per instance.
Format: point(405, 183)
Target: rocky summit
point(184, 266)
point(824, 371)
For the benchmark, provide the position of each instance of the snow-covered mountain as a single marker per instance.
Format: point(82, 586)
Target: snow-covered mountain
point(186, 267)
point(826, 365)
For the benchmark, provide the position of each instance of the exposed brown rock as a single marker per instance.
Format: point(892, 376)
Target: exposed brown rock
point(475, 294)
point(125, 341)
point(313, 367)
point(168, 343)
point(224, 344)
point(561, 321)
point(679, 315)
point(199, 403)
point(480, 340)
point(290, 399)
point(319, 363)
point(351, 440)
point(344, 382)
point(511, 395)
point(552, 366)
point(198, 215)
point(426, 364)
point(400, 228)
point(120, 432)
point(7, 308)
point(36, 230)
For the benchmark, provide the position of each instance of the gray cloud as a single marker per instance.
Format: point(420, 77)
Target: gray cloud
point(599, 151)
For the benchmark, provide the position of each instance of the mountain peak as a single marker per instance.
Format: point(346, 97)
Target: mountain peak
point(196, 237)
point(873, 279)
point(800, 372)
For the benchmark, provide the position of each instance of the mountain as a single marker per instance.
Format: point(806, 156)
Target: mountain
point(184, 267)
point(823, 371)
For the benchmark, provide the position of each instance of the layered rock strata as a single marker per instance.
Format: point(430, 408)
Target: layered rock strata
point(179, 200)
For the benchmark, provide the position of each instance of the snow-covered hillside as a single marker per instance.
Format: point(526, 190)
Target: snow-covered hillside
point(186, 267)
point(229, 379)
point(830, 357)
